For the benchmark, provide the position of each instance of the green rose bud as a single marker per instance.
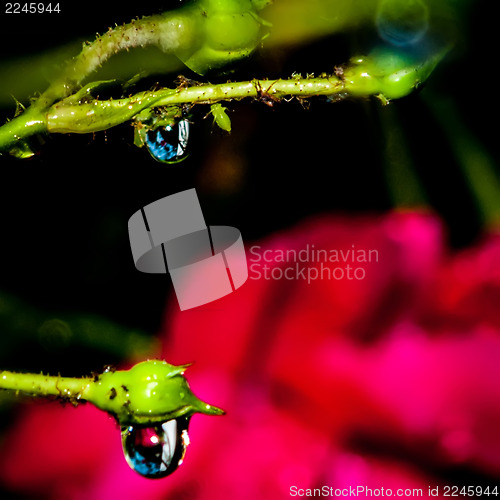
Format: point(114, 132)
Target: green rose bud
point(150, 392)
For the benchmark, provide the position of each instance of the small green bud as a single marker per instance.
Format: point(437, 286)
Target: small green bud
point(150, 392)
point(389, 72)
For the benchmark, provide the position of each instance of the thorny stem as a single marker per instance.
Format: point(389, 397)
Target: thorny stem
point(363, 77)
point(45, 385)
point(168, 31)
point(205, 35)
point(61, 117)
point(149, 392)
point(208, 35)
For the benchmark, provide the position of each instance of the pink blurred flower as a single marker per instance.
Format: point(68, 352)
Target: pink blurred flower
point(390, 379)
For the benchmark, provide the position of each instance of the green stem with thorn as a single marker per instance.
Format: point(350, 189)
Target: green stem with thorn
point(363, 77)
point(150, 392)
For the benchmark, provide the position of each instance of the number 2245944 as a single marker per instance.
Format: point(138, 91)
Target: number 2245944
point(32, 8)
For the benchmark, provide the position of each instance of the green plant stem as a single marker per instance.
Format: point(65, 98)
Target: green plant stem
point(363, 77)
point(150, 392)
point(100, 115)
point(45, 385)
point(33, 121)
point(168, 31)
point(190, 32)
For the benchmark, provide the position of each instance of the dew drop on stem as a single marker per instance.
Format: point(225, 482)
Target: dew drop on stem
point(169, 143)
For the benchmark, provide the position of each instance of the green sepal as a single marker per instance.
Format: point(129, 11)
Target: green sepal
point(22, 150)
point(87, 92)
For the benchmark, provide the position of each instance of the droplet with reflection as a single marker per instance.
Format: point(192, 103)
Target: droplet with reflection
point(169, 143)
point(155, 451)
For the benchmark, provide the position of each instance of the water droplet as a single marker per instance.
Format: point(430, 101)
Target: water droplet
point(402, 23)
point(169, 143)
point(155, 451)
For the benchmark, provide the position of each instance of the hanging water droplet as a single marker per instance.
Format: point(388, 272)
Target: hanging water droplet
point(155, 451)
point(169, 143)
